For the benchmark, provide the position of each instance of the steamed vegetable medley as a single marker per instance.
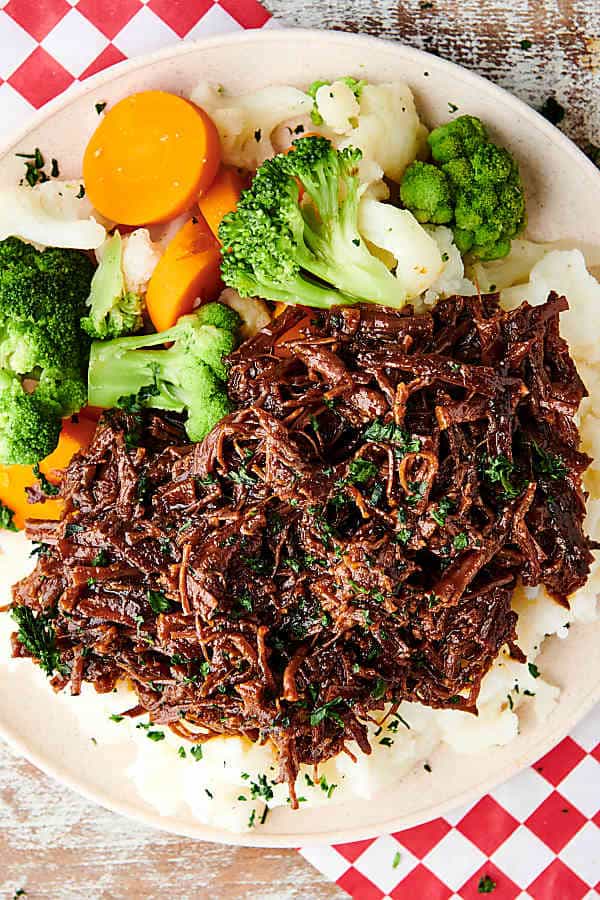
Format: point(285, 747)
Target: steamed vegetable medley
point(193, 222)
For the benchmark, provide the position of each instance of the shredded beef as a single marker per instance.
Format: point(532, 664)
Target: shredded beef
point(351, 536)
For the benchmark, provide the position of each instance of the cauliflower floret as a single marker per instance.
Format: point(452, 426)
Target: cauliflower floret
point(418, 259)
point(139, 260)
point(512, 269)
point(387, 130)
point(452, 277)
point(246, 122)
point(253, 312)
point(338, 106)
point(564, 271)
point(51, 214)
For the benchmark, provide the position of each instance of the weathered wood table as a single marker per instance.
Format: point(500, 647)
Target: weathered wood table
point(53, 843)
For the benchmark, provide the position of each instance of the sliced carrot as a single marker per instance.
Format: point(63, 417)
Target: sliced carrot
point(221, 197)
point(73, 437)
point(295, 333)
point(149, 158)
point(280, 308)
point(188, 269)
point(14, 480)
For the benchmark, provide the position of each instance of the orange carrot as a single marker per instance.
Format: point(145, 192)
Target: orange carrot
point(280, 308)
point(15, 479)
point(221, 197)
point(150, 158)
point(188, 269)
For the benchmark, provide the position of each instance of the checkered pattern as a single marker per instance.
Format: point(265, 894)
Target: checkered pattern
point(536, 837)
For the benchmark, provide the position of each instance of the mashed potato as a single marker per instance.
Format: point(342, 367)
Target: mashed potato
point(230, 782)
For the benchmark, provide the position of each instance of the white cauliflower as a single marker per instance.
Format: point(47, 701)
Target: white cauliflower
point(338, 106)
point(246, 122)
point(386, 128)
point(139, 260)
point(418, 259)
point(253, 312)
point(51, 214)
point(452, 277)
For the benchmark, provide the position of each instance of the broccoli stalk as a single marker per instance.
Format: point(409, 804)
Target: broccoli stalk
point(281, 246)
point(43, 352)
point(473, 185)
point(188, 377)
point(114, 311)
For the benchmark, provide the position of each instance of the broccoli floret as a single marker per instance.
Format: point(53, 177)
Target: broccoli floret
point(29, 423)
point(114, 311)
point(187, 377)
point(309, 251)
point(43, 352)
point(6, 518)
point(472, 184)
point(354, 85)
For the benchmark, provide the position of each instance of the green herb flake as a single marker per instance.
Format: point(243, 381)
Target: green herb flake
point(486, 885)
point(440, 512)
point(158, 602)
point(155, 736)
point(116, 718)
point(386, 742)
point(196, 752)
point(396, 860)
point(327, 711)
point(49, 489)
point(533, 670)
point(461, 541)
point(100, 107)
point(525, 44)
point(6, 519)
point(379, 690)
point(452, 107)
point(80, 193)
point(427, 767)
point(37, 636)
point(181, 753)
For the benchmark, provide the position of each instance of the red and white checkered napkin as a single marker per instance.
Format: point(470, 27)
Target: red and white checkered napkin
point(538, 835)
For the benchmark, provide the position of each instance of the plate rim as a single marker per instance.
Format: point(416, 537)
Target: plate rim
point(202, 831)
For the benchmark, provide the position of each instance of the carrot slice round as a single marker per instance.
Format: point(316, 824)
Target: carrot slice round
point(150, 158)
point(221, 197)
point(188, 270)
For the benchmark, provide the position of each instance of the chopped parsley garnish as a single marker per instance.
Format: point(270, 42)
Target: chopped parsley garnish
point(181, 753)
point(550, 464)
point(196, 752)
point(361, 470)
point(251, 819)
point(386, 742)
point(392, 433)
point(100, 559)
point(460, 541)
point(158, 602)
point(155, 736)
point(525, 44)
point(327, 711)
point(73, 528)
point(261, 788)
point(6, 520)
point(533, 670)
point(439, 512)
point(379, 690)
point(500, 470)
point(486, 885)
point(116, 718)
point(80, 193)
point(242, 476)
point(396, 860)
point(38, 637)
point(100, 107)
point(34, 167)
point(452, 107)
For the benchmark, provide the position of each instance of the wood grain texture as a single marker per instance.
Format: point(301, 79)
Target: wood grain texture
point(485, 36)
point(56, 845)
point(53, 843)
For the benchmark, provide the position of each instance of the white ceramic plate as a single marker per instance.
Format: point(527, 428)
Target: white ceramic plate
point(563, 203)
